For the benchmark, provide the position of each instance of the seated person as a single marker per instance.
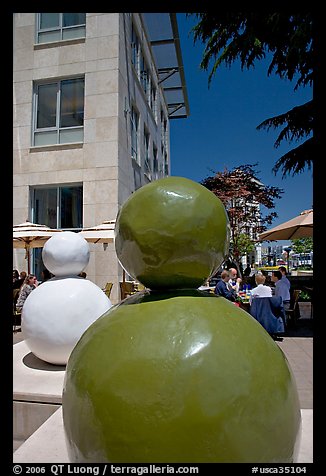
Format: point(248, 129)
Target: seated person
point(281, 288)
point(30, 283)
point(234, 281)
point(260, 290)
point(222, 289)
point(15, 276)
point(20, 280)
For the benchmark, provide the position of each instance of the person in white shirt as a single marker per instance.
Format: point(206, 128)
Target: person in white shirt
point(234, 282)
point(260, 290)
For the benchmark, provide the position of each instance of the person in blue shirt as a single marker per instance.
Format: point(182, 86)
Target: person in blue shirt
point(284, 278)
point(281, 288)
point(222, 289)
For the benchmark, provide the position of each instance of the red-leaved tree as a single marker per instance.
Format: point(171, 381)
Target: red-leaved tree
point(243, 196)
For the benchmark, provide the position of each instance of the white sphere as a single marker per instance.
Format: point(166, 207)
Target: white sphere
point(66, 253)
point(57, 313)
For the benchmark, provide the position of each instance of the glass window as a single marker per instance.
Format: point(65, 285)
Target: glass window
point(147, 160)
point(46, 105)
point(49, 20)
point(163, 127)
point(60, 26)
point(59, 112)
point(71, 201)
point(137, 179)
point(152, 99)
point(72, 19)
point(45, 207)
point(166, 164)
point(143, 71)
point(134, 48)
point(134, 119)
point(164, 132)
point(144, 74)
point(160, 163)
point(72, 103)
point(58, 206)
point(155, 163)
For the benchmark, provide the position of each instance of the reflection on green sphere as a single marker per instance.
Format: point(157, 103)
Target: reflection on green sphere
point(179, 377)
point(172, 233)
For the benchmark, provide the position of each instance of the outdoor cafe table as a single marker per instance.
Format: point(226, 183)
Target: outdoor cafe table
point(243, 301)
point(242, 298)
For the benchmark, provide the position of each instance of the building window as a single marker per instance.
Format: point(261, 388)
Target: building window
point(58, 206)
point(163, 129)
point(134, 48)
point(155, 163)
point(58, 112)
point(143, 71)
point(164, 132)
point(60, 26)
point(152, 99)
point(147, 159)
point(134, 121)
point(166, 164)
point(144, 75)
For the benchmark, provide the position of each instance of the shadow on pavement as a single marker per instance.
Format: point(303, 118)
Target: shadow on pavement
point(303, 328)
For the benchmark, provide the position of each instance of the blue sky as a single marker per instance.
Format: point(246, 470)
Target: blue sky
point(220, 131)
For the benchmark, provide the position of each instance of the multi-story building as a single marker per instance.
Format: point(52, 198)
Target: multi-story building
point(93, 97)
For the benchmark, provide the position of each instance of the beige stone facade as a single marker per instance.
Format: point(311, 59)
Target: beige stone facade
point(101, 163)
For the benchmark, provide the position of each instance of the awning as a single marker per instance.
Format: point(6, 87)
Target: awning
point(163, 35)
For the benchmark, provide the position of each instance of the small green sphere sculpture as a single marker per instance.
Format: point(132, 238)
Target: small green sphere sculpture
point(173, 374)
point(173, 233)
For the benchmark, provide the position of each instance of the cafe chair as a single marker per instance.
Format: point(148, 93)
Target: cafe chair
point(139, 287)
point(269, 312)
point(293, 313)
point(127, 288)
point(107, 289)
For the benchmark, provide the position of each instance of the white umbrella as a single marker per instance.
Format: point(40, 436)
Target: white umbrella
point(103, 233)
point(298, 227)
point(31, 235)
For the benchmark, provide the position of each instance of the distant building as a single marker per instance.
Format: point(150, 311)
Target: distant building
point(276, 255)
point(249, 227)
point(93, 96)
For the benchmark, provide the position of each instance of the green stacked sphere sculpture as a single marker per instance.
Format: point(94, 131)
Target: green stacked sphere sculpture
point(173, 374)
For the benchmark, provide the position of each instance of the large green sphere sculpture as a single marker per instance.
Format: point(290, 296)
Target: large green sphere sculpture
point(176, 375)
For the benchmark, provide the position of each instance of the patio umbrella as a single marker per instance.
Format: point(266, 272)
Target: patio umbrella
point(103, 233)
point(31, 235)
point(298, 227)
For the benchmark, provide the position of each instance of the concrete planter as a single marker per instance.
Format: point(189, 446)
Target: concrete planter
point(305, 309)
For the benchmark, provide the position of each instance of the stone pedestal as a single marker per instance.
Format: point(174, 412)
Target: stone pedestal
point(37, 391)
point(46, 445)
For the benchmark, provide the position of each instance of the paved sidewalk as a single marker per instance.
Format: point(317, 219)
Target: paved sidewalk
point(299, 352)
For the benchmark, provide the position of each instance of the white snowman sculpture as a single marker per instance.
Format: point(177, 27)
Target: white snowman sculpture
point(58, 311)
